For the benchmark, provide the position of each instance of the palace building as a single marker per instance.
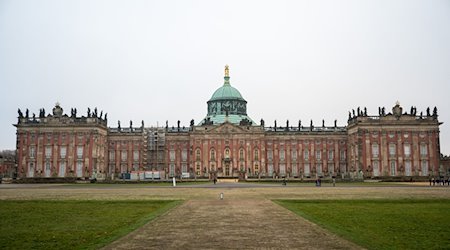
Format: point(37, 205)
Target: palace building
point(227, 143)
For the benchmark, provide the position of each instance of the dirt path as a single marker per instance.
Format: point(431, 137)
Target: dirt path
point(230, 224)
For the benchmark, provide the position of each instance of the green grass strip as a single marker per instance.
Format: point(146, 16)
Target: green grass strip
point(42, 224)
point(381, 224)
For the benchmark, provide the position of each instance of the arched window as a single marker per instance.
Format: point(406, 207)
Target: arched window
point(197, 154)
point(241, 154)
point(227, 153)
point(212, 154)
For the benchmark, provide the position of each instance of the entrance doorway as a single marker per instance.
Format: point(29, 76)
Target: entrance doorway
point(227, 169)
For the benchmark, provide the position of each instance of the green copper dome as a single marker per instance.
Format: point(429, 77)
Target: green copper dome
point(226, 92)
point(227, 105)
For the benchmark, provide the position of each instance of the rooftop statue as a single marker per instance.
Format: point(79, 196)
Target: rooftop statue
point(227, 71)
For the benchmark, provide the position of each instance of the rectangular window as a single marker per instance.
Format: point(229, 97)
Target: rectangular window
point(330, 155)
point(392, 150)
point(424, 168)
point(282, 169)
point(282, 154)
point(393, 168)
point(172, 169)
point(408, 168)
point(319, 168)
point(62, 169)
point(79, 169)
point(423, 150)
point(407, 150)
point(32, 151)
point(376, 168)
point(112, 155)
point(124, 155)
point(31, 170)
point(343, 155)
point(375, 150)
point(48, 152)
point(136, 155)
point(80, 151)
point(294, 170)
point(135, 166)
point(184, 168)
point(184, 155)
point(49, 138)
point(307, 169)
point(63, 151)
point(294, 155)
point(47, 169)
point(270, 169)
point(331, 168)
point(318, 155)
point(306, 154)
point(172, 155)
point(270, 155)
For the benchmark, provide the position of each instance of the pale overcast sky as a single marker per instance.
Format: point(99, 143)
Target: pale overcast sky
point(162, 60)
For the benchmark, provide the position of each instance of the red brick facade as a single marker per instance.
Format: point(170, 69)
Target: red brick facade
point(388, 145)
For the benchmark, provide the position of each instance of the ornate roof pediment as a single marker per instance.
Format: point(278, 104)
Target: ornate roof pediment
point(226, 128)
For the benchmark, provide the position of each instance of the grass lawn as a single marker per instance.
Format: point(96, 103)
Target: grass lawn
point(40, 224)
point(141, 184)
point(381, 224)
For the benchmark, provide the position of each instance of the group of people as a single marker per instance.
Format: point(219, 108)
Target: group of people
point(441, 181)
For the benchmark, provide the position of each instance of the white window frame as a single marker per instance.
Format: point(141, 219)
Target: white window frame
point(318, 155)
point(63, 152)
point(172, 155)
point(32, 151)
point(330, 155)
point(124, 155)
point(294, 154)
point(306, 154)
point(282, 154)
point(136, 155)
point(184, 155)
point(375, 150)
point(408, 168)
point(392, 149)
point(407, 150)
point(79, 152)
point(62, 169)
point(48, 151)
point(423, 150)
